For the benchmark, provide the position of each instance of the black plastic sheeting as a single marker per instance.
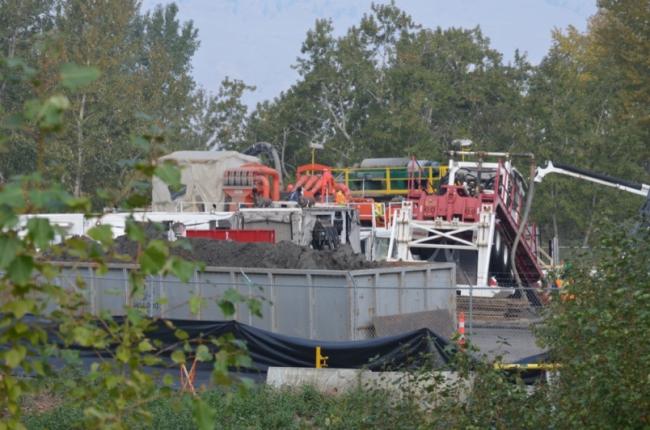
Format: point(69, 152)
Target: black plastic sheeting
point(266, 349)
point(404, 351)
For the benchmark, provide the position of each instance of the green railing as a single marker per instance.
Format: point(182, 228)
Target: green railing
point(386, 181)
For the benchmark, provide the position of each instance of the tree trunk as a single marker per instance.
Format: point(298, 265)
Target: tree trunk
point(585, 241)
point(556, 232)
point(10, 54)
point(80, 140)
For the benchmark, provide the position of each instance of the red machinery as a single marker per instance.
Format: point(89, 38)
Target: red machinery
point(247, 236)
point(251, 184)
point(318, 183)
point(474, 221)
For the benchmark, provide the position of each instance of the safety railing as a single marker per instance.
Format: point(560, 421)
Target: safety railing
point(387, 181)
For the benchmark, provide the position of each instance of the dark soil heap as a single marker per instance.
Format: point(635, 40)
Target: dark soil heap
point(283, 255)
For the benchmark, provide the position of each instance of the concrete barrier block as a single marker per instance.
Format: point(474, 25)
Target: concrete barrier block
point(426, 388)
point(331, 381)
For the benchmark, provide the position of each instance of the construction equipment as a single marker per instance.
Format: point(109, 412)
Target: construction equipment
point(265, 148)
point(325, 235)
point(386, 178)
point(621, 184)
point(317, 183)
point(252, 184)
point(476, 219)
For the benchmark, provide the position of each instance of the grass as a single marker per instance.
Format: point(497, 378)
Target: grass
point(260, 408)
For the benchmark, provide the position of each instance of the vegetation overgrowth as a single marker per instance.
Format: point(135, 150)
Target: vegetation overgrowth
point(116, 390)
point(90, 87)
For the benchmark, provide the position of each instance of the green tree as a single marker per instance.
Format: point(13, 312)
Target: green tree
point(595, 329)
point(222, 119)
point(390, 88)
point(145, 65)
point(114, 393)
point(576, 103)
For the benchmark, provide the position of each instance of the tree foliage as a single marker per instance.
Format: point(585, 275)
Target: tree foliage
point(595, 329)
point(40, 317)
point(386, 87)
point(389, 87)
point(144, 65)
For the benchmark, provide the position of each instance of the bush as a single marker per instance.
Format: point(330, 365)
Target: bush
point(598, 331)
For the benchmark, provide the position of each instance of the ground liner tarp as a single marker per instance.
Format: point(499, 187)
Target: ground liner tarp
point(270, 349)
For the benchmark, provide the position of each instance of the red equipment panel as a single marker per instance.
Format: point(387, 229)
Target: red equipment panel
point(267, 236)
point(449, 206)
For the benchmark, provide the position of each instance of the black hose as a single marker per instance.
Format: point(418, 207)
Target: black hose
point(522, 222)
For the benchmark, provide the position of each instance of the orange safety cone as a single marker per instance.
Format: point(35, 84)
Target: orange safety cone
point(461, 329)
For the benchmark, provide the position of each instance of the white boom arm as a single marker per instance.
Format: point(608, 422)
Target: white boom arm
point(630, 187)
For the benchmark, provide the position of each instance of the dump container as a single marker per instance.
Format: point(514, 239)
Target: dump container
point(313, 304)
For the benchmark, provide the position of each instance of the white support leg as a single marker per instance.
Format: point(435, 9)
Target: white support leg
point(403, 236)
point(484, 243)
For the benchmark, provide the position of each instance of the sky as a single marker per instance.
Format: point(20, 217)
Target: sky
point(257, 41)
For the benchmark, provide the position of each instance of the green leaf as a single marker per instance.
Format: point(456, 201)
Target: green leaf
point(243, 360)
point(135, 315)
point(204, 415)
point(12, 195)
point(78, 204)
point(83, 336)
point(195, 304)
point(178, 357)
point(9, 247)
point(232, 295)
point(140, 142)
point(227, 307)
point(15, 355)
point(181, 334)
point(134, 231)
point(151, 360)
point(40, 231)
point(138, 200)
point(47, 115)
point(154, 256)
point(203, 353)
point(74, 76)
point(8, 217)
point(102, 234)
point(20, 307)
point(168, 380)
point(255, 307)
point(182, 269)
point(20, 269)
point(123, 354)
point(145, 346)
point(169, 174)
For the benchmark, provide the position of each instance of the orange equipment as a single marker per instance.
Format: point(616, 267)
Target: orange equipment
point(318, 183)
point(367, 208)
point(251, 183)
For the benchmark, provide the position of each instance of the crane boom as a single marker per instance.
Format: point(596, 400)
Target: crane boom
point(598, 178)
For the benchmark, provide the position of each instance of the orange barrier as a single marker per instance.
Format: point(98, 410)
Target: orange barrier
point(461, 329)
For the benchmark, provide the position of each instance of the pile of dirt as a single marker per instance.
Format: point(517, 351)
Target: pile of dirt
point(283, 255)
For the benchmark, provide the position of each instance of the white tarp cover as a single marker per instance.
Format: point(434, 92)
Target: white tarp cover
point(202, 175)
